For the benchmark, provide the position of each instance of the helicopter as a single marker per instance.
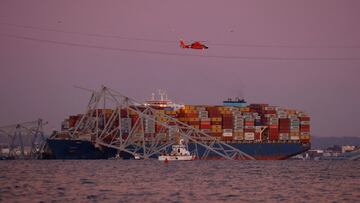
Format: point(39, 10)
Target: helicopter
point(194, 45)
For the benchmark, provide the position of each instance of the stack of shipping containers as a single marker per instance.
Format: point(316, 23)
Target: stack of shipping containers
point(238, 124)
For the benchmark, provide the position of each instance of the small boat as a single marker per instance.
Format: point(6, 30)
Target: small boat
point(137, 157)
point(178, 153)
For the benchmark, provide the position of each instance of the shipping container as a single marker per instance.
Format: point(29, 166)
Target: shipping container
point(249, 136)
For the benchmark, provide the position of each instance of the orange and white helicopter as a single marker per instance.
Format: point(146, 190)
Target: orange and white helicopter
point(194, 45)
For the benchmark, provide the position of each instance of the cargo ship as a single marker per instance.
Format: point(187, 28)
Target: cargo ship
point(262, 131)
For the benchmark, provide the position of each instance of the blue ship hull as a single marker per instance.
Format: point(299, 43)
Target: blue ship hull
point(77, 149)
point(82, 149)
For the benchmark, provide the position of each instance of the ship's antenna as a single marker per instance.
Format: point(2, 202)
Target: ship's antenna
point(152, 96)
point(161, 93)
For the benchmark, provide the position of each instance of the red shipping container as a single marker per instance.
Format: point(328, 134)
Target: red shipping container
point(205, 126)
point(123, 113)
point(213, 112)
point(134, 119)
point(228, 126)
point(304, 118)
point(284, 127)
point(273, 136)
point(246, 130)
point(227, 138)
point(284, 130)
point(227, 118)
point(158, 128)
point(304, 128)
point(194, 122)
point(189, 115)
point(284, 121)
point(216, 134)
point(257, 136)
point(269, 111)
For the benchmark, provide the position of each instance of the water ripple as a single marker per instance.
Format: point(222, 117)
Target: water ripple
point(197, 181)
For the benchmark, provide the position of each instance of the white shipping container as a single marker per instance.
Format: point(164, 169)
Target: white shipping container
point(294, 137)
point(274, 119)
point(227, 130)
point(270, 115)
point(292, 116)
point(238, 124)
point(247, 116)
point(302, 114)
point(149, 120)
point(149, 130)
point(283, 136)
point(279, 109)
point(282, 116)
point(149, 125)
point(232, 108)
point(65, 124)
point(272, 123)
point(249, 136)
point(236, 113)
point(294, 120)
point(238, 127)
point(125, 127)
point(305, 134)
point(227, 134)
point(249, 120)
point(126, 120)
point(269, 108)
point(203, 113)
point(125, 123)
point(238, 137)
point(305, 122)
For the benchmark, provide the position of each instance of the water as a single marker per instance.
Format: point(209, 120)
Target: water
point(196, 181)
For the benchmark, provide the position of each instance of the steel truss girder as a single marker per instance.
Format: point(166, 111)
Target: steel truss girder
point(138, 142)
point(17, 132)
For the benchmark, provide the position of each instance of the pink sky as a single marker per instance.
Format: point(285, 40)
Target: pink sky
point(37, 78)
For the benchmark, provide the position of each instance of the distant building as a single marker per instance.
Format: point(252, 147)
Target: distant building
point(334, 152)
point(347, 148)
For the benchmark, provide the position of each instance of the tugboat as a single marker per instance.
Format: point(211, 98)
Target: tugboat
point(178, 153)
